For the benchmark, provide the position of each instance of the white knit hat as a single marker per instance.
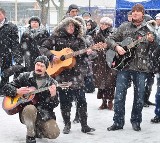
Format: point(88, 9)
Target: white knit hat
point(106, 20)
point(157, 16)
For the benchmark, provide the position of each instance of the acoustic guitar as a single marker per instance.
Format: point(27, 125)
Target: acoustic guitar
point(67, 60)
point(120, 61)
point(13, 105)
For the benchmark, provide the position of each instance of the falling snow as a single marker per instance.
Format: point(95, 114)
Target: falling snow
point(12, 131)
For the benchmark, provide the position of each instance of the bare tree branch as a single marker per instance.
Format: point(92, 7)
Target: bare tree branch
point(39, 2)
point(56, 6)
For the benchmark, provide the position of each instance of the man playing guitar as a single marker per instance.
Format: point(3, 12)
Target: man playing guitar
point(37, 114)
point(135, 70)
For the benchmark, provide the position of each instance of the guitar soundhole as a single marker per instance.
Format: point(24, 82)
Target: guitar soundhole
point(23, 98)
point(62, 58)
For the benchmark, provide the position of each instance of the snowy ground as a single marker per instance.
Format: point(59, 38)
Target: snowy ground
point(12, 131)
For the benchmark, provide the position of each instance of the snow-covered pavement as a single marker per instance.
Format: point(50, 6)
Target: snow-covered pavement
point(12, 131)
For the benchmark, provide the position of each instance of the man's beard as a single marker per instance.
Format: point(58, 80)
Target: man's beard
point(38, 75)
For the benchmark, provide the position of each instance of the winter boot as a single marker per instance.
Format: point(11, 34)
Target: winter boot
point(67, 128)
point(86, 129)
point(83, 120)
point(30, 139)
point(66, 118)
point(110, 105)
point(156, 119)
point(104, 105)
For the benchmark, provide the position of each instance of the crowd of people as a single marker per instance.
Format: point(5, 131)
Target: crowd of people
point(114, 58)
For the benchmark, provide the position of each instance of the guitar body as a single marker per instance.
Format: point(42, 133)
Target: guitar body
point(59, 66)
point(120, 61)
point(13, 105)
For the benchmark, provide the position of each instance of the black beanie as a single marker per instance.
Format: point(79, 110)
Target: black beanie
point(35, 18)
point(72, 6)
point(42, 59)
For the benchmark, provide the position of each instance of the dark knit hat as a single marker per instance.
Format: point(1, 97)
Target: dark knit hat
point(42, 59)
point(138, 7)
point(72, 6)
point(35, 18)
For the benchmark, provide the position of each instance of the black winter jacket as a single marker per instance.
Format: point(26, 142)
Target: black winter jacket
point(59, 40)
point(9, 42)
point(30, 43)
point(143, 50)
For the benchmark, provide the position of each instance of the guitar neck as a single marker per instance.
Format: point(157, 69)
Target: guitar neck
point(39, 90)
point(63, 85)
point(76, 53)
point(133, 44)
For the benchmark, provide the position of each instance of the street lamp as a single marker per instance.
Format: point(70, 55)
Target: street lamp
point(89, 5)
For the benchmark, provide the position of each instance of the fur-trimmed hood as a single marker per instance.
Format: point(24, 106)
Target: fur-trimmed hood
point(151, 24)
point(60, 28)
point(82, 22)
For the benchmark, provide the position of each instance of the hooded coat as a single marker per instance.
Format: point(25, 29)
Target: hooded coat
point(59, 40)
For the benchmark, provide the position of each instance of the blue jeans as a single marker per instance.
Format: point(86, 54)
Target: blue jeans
point(157, 109)
point(123, 78)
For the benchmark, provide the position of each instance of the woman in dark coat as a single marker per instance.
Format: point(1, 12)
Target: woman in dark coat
point(31, 40)
point(91, 28)
point(105, 77)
